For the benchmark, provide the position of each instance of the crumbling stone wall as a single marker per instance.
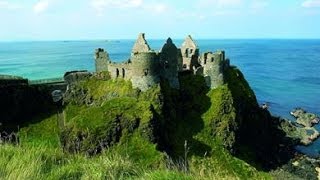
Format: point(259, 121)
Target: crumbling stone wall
point(141, 45)
point(120, 70)
point(146, 67)
point(190, 54)
point(101, 60)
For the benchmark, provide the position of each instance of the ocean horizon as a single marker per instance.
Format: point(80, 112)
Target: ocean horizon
point(285, 73)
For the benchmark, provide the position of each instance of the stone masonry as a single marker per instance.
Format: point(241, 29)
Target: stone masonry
point(146, 67)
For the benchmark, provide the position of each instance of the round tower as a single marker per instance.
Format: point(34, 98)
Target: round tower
point(144, 65)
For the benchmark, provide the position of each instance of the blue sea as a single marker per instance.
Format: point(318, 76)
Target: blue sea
point(284, 73)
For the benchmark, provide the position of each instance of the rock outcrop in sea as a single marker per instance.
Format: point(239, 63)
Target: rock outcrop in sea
point(304, 118)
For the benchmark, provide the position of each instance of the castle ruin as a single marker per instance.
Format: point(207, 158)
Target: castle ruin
point(146, 67)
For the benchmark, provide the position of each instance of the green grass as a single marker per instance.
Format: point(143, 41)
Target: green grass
point(41, 162)
point(107, 89)
point(45, 132)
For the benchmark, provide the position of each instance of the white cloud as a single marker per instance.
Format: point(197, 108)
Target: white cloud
point(228, 3)
point(9, 5)
point(156, 8)
point(259, 4)
point(159, 8)
point(311, 3)
point(101, 5)
point(153, 7)
point(219, 3)
point(41, 6)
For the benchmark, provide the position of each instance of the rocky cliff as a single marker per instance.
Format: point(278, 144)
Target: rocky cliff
point(101, 113)
point(195, 127)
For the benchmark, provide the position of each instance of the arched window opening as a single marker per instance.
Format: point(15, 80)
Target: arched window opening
point(117, 72)
point(212, 59)
point(123, 72)
point(187, 52)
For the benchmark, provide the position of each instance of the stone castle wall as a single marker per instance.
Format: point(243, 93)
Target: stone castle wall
point(190, 54)
point(120, 70)
point(145, 67)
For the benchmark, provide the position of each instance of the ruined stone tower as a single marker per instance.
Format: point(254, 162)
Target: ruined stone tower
point(141, 45)
point(214, 65)
point(145, 65)
point(101, 60)
point(170, 62)
point(190, 54)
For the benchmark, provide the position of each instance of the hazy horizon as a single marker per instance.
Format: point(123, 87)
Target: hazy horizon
point(159, 39)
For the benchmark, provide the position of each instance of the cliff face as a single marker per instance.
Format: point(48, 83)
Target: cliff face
point(104, 113)
point(259, 138)
point(203, 126)
point(228, 116)
point(20, 103)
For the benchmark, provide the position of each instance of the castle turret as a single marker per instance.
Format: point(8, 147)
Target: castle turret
point(213, 68)
point(170, 62)
point(101, 60)
point(190, 54)
point(140, 45)
point(145, 65)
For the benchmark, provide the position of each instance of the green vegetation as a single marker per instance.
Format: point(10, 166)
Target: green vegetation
point(113, 131)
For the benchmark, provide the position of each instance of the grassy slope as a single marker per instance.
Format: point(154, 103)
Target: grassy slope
point(40, 156)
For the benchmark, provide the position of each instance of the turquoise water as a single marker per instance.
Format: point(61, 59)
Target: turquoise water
point(285, 73)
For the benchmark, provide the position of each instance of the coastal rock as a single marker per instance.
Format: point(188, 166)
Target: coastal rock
point(304, 118)
point(8, 138)
point(76, 76)
point(301, 167)
point(20, 102)
point(7, 80)
point(304, 135)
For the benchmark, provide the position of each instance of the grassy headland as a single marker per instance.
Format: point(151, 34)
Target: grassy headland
point(112, 131)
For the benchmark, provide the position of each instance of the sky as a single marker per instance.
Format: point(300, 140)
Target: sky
point(123, 19)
